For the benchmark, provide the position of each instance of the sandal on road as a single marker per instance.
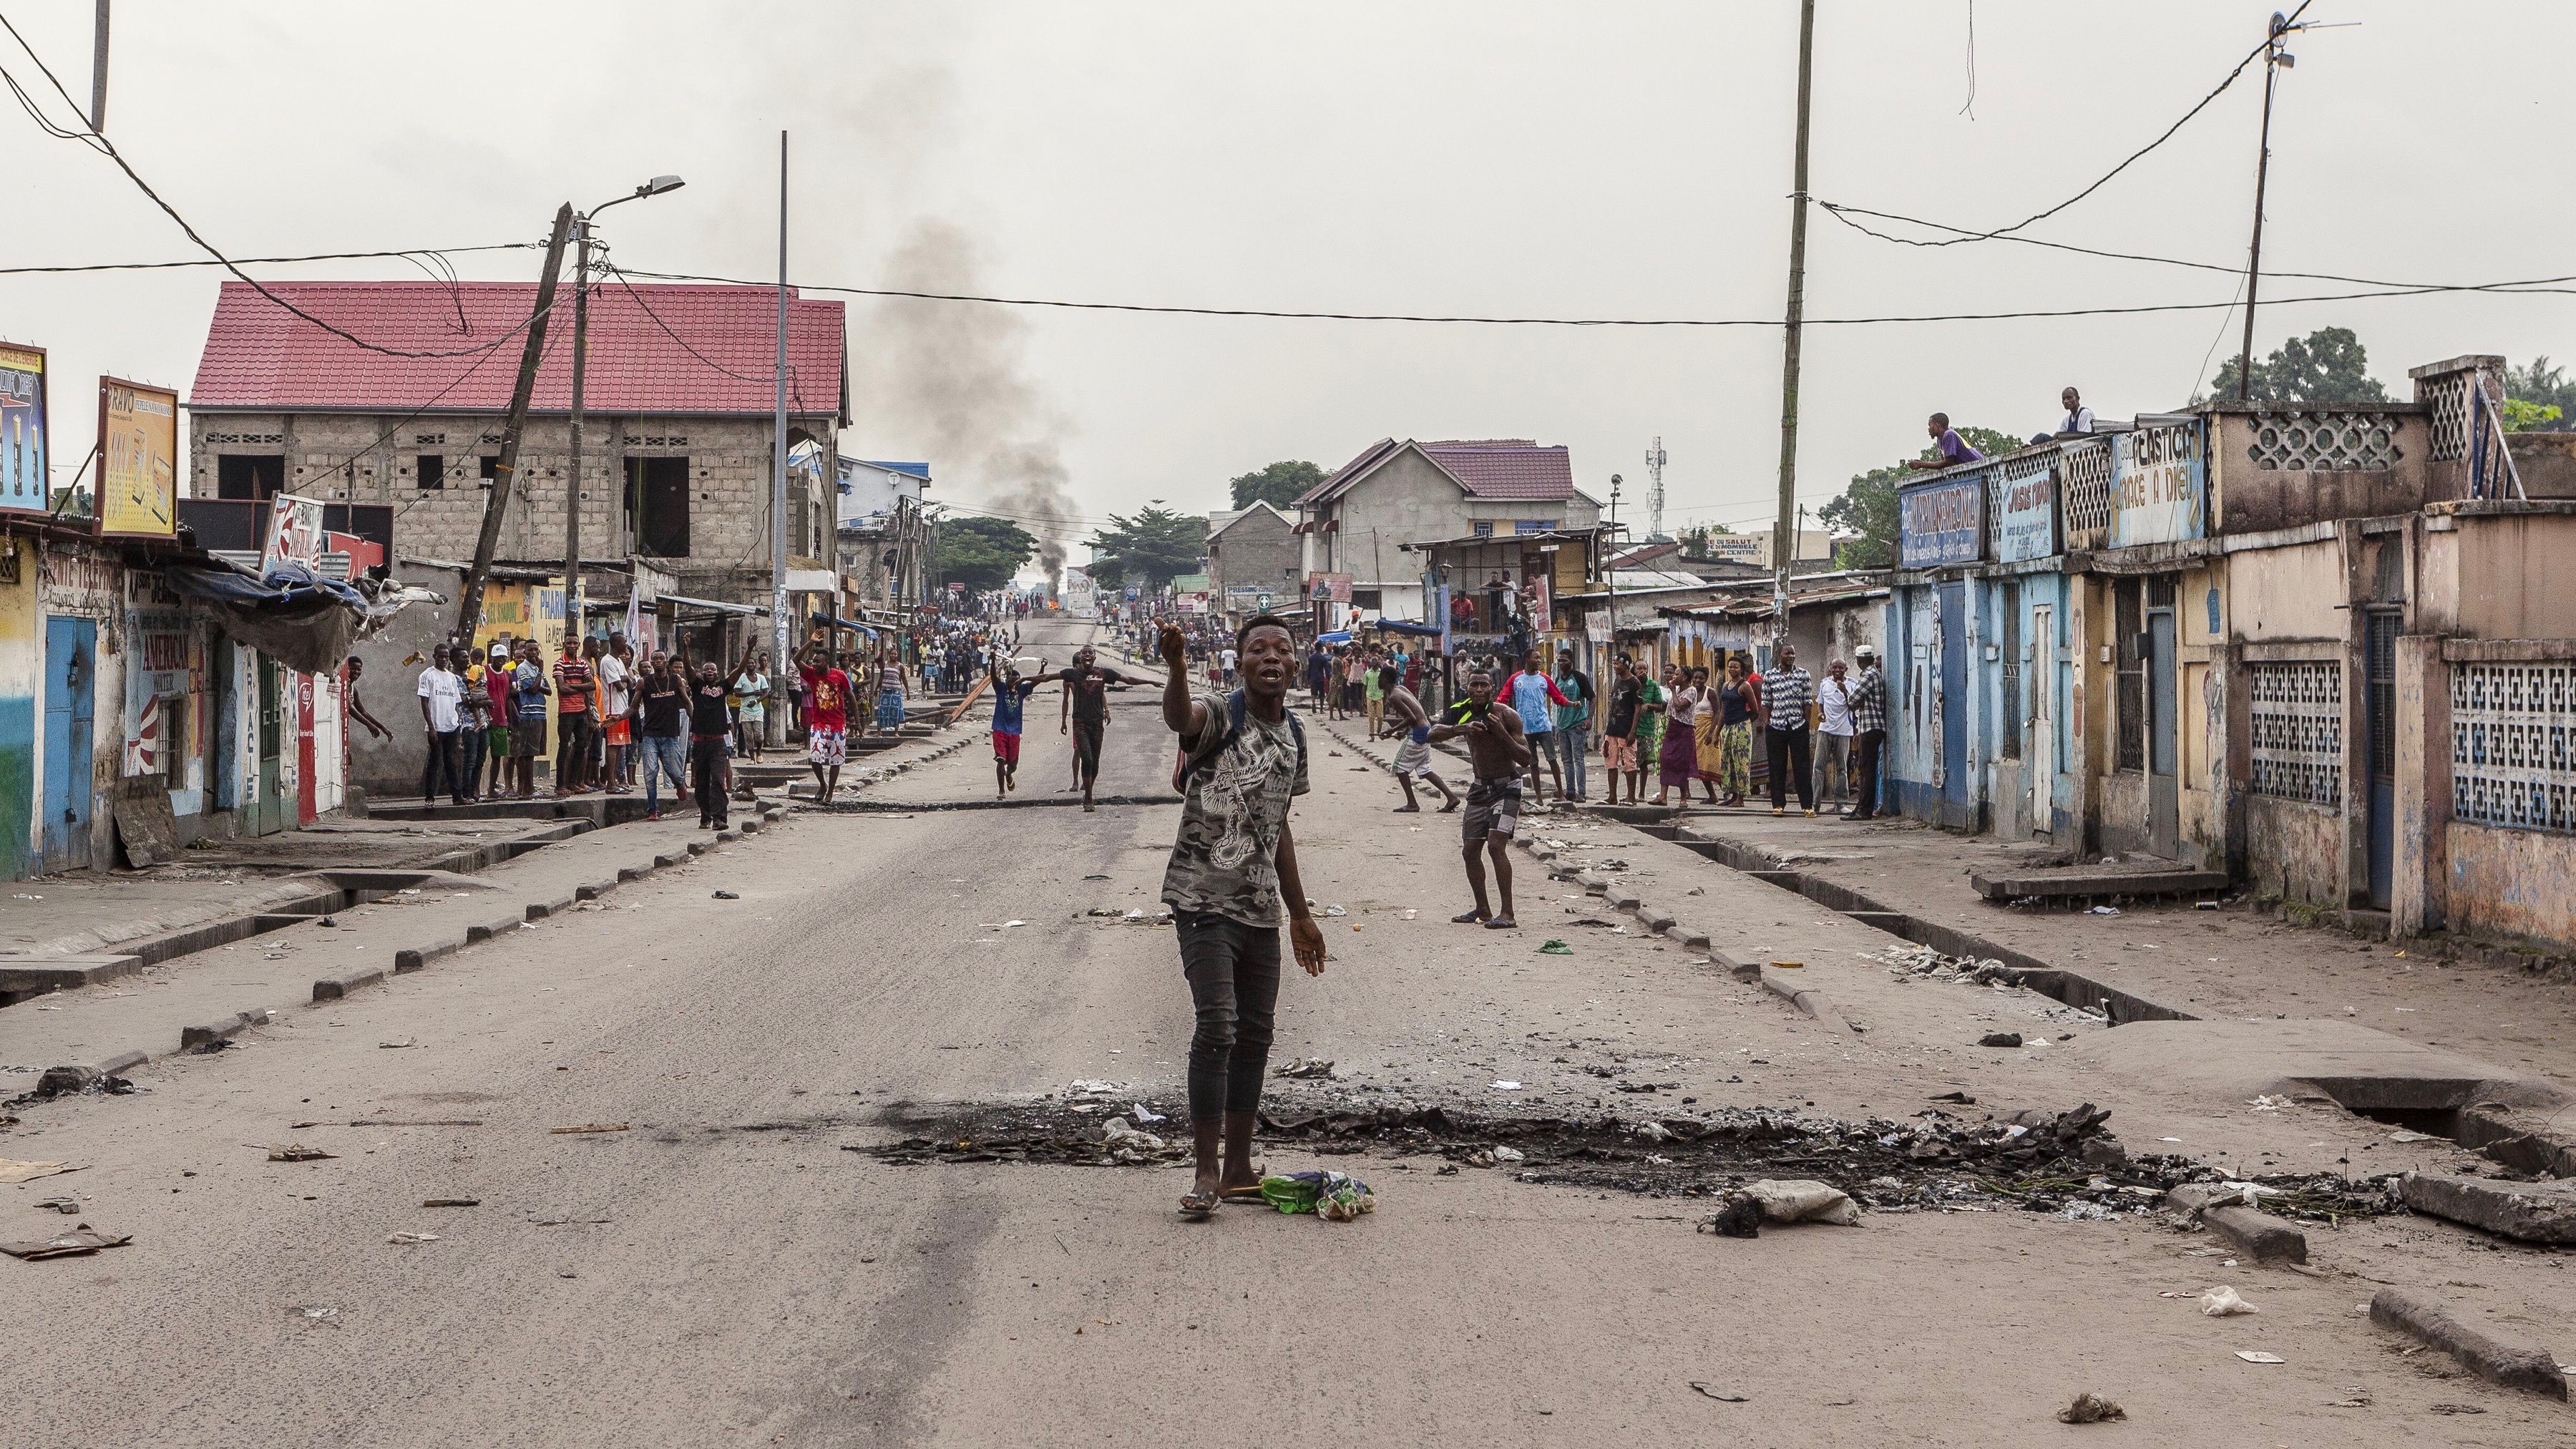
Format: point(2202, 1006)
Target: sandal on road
point(1467, 919)
point(1502, 923)
point(1198, 1204)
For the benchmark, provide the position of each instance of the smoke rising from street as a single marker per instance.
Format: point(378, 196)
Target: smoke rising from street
point(958, 372)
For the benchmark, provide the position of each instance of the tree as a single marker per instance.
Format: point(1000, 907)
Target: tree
point(1149, 548)
point(2328, 365)
point(2544, 388)
point(1277, 485)
point(982, 553)
point(1868, 507)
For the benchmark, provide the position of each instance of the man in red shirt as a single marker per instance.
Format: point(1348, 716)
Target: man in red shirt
point(827, 717)
point(574, 681)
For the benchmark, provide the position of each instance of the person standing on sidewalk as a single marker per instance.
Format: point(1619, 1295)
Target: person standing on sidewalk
point(1677, 754)
point(1497, 751)
point(1233, 876)
point(498, 666)
point(889, 683)
point(1738, 700)
point(574, 681)
point(1573, 721)
point(1834, 739)
point(1619, 730)
point(1413, 758)
point(528, 721)
point(662, 710)
point(350, 673)
point(1787, 691)
point(1869, 731)
point(473, 718)
point(710, 734)
point(751, 706)
point(827, 719)
point(1530, 693)
point(441, 692)
point(616, 712)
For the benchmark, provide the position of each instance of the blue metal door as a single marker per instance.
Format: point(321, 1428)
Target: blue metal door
point(1957, 791)
point(71, 665)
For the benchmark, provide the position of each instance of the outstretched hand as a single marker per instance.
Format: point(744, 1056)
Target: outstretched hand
point(1307, 939)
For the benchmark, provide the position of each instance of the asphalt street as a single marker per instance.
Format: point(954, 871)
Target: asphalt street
point(719, 1270)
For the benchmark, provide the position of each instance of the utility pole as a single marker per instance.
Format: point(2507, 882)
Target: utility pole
point(2275, 60)
point(573, 600)
point(469, 610)
point(1796, 321)
point(778, 483)
point(98, 74)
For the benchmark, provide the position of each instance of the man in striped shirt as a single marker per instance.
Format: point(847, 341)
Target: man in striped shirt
point(1869, 726)
point(1787, 690)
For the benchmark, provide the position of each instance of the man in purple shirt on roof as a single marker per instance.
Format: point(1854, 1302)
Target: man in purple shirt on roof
point(1954, 449)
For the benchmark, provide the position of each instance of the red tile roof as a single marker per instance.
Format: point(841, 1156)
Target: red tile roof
point(1515, 468)
point(261, 357)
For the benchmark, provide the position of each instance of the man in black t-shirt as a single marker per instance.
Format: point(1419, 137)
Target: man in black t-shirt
point(1086, 715)
point(710, 726)
point(663, 694)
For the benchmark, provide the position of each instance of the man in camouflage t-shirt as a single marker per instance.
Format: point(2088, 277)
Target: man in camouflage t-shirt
point(1232, 878)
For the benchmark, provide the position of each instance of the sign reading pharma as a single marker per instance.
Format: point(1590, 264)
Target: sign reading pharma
point(2026, 513)
point(1942, 523)
point(2159, 481)
point(22, 429)
point(138, 439)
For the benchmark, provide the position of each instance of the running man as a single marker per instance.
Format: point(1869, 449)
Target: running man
point(1232, 878)
point(827, 717)
point(1499, 751)
point(1405, 717)
point(1086, 706)
point(1010, 701)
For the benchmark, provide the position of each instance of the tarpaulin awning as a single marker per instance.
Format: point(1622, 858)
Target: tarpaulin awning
point(1338, 636)
point(301, 619)
point(1406, 626)
point(820, 617)
point(717, 606)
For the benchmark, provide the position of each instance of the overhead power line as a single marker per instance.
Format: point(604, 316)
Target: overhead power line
point(73, 267)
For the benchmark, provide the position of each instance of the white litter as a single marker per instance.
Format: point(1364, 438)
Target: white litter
point(2225, 1303)
point(2106, 910)
point(1507, 1086)
point(1803, 1200)
point(413, 1238)
point(2251, 1357)
point(1510, 1154)
point(1148, 1114)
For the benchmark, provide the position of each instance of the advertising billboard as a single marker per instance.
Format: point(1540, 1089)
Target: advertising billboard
point(1328, 588)
point(138, 468)
point(2027, 527)
point(1942, 523)
point(2158, 482)
point(295, 532)
point(22, 429)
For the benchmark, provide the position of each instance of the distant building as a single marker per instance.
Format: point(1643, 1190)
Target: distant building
point(1358, 521)
point(1254, 555)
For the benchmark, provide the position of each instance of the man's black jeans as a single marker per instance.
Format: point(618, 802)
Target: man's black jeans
point(1865, 752)
point(1233, 971)
point(1790, 751)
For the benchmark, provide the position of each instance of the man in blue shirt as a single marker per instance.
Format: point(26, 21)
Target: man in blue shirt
point(1529, 692)
point(1952, 448)
point(1010, 699)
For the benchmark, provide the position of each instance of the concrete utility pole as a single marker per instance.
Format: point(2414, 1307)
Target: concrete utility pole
point(778, 485)
point(469, 609)
point(98, 75)
point(2275, 60)
point(1796, 321)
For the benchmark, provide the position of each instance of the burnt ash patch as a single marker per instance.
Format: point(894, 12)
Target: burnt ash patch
point(2065, 1163)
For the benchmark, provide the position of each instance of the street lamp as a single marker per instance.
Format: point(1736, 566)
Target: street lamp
point(573, 595)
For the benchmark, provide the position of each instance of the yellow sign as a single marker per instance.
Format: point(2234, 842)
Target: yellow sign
point(138, 434)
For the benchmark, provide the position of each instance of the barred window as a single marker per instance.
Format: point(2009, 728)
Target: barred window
point(2513, 745)
point(2297, 727)
point(2129, 681)
point(2012, 706)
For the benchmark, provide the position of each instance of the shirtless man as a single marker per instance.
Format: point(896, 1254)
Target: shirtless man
point(1404, 716)
point(1499, 752)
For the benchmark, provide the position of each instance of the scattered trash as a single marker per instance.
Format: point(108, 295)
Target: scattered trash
point(1723, 1396)
point(1962, 1098)
point(15, 1171)
point(1095, 877)
point(1651, 1132)
point(297, 1152)
point(2410, 1137)
point(2457, 1409)
point(2359, 1399)
point(587, 1127)
point(409, 1238)
point(1509, 1154)
point(316, 1313)
point(2251, 1356)
point(1148, 1114)
point(1788, 965)
point(395, 1046)
point(2223, 1302)
point(1090, 1087)
point(2000, 1039)
point(727, 896)
point(64, 1205)
point(451, 1202)
point(1332, 911)
point(1408, 913)
point(1740, 1218)
point(66, 1245)
point(2090, 1409)
point(1333, 1196)
point(1306, 1067)
point(222, 1043)
point(1507, 1086)
point(1804, 1200)
point(2106, 910)
point(1555, 947)
point(2269, 1103)
point(1696, 891)
point(2204, 905)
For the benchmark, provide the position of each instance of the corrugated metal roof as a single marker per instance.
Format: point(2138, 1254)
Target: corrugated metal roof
point(1498, 468)
point(659, 349)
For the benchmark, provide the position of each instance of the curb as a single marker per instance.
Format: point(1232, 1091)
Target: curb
point(222, 1028)
point(332, 988)
point(2424, 1318)
point(2257, 1235)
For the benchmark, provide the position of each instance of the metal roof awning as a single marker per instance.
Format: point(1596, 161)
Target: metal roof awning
point(829, 621)
point(717, 607)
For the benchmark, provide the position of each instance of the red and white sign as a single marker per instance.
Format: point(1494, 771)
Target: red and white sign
point(295, 533)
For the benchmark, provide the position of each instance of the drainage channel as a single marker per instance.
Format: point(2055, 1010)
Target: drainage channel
point(2072, 988)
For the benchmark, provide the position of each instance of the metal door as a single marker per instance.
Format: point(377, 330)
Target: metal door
point(2164, 824)
point(268, 797)
point(1956, 788)
point(2379, 708)
point(2039, 755)
point(71, 669)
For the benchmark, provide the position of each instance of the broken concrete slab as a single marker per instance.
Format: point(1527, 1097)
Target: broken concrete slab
point(2257, 1235)
point(32, 975)
point(2360, 1068)
point(2083, 884)
point(594, 890)
point(220, 1029)
point(2530, 1212)
point(2423, 1317)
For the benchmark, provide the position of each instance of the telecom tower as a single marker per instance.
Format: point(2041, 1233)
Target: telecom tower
point(1655, 493)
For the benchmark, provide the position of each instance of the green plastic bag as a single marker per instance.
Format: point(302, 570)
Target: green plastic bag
point(1333, 1196)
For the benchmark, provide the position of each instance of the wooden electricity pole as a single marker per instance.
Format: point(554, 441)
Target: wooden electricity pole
point(1784, 542)
point(469, 609)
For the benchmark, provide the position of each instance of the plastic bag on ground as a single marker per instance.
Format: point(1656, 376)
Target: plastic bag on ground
point(1803, 1200)
point(2225, 1303)
point(1333, 1196)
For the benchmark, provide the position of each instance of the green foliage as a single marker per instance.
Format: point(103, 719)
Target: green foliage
point(982, 553)
point(2328, 365)
point(1868, 507)
point(1151, 547)
point(2544, 387)
point(1277, 485)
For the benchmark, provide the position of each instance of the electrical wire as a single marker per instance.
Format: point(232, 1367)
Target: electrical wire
point(268, 261)
point(107, 148)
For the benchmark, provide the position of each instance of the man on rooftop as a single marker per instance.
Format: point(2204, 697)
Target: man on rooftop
point(1953, 449)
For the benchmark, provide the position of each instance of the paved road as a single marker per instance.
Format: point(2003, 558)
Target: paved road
point(722, 1272)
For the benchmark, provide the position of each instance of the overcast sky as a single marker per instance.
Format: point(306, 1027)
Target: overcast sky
point(1492, 158)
